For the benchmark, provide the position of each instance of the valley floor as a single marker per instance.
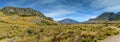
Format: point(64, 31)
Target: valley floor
point(56, 33)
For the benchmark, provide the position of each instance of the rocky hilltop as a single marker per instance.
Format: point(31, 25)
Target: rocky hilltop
point(9, 10)
point(25, 15)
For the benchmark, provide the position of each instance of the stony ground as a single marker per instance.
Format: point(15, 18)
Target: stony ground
point(115, 38)
point(112, 39)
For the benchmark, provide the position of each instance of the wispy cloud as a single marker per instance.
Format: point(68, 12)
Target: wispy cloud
point(104, 3)
point(47, 1)
point(80, 10)
point(112, 8)
point(58, 13)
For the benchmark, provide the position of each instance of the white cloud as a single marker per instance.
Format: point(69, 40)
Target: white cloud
point(113, 8)
point(47, 1)
point(58, 13)
point(40, 3)
point(104, 3)
point(52, 8)
point(101, 6)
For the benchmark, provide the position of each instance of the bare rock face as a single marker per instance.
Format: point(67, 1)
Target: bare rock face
point(8, 10)
point(35, 21)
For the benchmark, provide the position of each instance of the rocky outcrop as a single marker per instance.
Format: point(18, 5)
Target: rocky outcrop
point(8, 10)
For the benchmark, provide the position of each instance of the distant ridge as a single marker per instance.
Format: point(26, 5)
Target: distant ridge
point(68, 21)
point(105, 17)
point(110, 16)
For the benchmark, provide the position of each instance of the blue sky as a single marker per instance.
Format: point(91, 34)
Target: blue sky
point(80, 10)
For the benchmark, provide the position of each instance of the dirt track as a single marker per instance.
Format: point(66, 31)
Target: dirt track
point(115, 38)
point(112, 39)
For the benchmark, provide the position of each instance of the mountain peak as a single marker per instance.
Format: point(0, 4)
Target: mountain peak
point(118, 13)
point(108, 13)
point(106, 16)
point(9, 7)
point(68, 21)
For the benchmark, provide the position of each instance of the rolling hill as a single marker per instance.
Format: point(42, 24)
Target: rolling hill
point(16, 15)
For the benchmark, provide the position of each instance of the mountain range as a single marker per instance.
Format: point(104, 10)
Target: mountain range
point(110, 16)
point(105, 17)
point(16, 15)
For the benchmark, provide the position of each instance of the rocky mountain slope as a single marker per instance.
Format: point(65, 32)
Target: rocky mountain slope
point(17, 15)
point(110, 16)
point(105, 17)
point(68, 21)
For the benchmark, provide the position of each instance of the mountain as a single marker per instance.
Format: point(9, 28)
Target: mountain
point(118, 13)
point(110, 16)
point(105, 17)
point(9, 10)
point(68, 21)
point(15, 15)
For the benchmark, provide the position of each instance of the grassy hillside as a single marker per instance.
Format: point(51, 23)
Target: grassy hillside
point(17, 28)
point(25, 16)
point(58, 33)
